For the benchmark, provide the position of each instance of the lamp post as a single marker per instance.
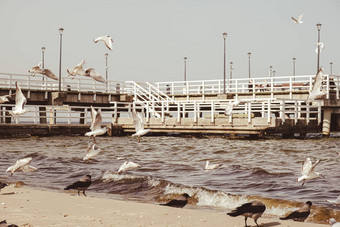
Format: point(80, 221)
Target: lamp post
point(106, 68)
point(185, 69)
point(230, 75)
point(318, 26)
point(249, 54)
point(274, 73)
point(61, 38)
point(270, 71)
point(43, 58)
point(331, 66)
point(294, 59)
point(224, 60)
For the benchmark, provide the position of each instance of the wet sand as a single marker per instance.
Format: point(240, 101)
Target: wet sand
point(35, 207)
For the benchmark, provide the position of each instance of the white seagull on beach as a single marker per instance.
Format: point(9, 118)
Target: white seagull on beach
point(96, 129)
point(334, 223)
point(20, 101)
point(77, 70)
point(90, 72)
point(308, 171)
point(139, 125)
point(316, 89)
point(4, 98)
point(229, 108)
point(336, 201)
point(91, 151)
point(22, 165)
point(298, 20)
point(212, 166)
point(128, 166)
point(106, 39)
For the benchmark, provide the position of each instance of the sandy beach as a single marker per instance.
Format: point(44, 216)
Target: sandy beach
point(36, 207)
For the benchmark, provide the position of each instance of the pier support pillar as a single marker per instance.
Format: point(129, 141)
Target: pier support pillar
point(42, 115)
point(337, 122)
point(326, 123)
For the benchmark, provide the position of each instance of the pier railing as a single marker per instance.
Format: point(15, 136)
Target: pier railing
point(198, 109)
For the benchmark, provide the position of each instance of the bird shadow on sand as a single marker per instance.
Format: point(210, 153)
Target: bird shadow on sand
point(271, 224)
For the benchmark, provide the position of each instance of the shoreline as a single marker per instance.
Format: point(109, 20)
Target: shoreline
point(27, 206)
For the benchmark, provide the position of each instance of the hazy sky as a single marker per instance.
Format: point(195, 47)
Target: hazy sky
point(151, 37)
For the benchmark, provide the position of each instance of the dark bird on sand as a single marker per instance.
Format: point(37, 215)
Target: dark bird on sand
point(2, 185)
point(252, 210)
point(81, 185)
point(4, 224)
point(300, 214)
point(179, 202)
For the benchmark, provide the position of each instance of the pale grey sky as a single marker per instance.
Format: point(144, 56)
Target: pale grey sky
point(151, 37)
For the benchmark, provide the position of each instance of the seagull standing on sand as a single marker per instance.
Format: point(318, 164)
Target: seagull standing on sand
point(22, 165)
point(252, 210)
point(4, 98)
point(308, 171)
point(138, 122)
point(91, 151)
point(178, 202)
point(229, 108)
point(300, 214)
point(212, 166)
point(334, 223)
point(20, 101)
point(128, 166)
point(106, 39)
point(316, 89)
point(90, 72)
point(336, 201)
point(81, 185)
point(298, 20)
point(96, 129)
point(77, 70)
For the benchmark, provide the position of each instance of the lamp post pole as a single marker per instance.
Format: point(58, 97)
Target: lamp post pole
point(331, 66)
point(185, 69)
point(61, 38)
point(249, 54)
point(43, 60)
point(270, 71)
point(318, 26)
point(294, 59)
point(224, 60)
point(230, 75)
point(106, 68)
point(274, 73)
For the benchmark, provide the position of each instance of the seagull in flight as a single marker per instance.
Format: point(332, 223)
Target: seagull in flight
point(178, 202)
point(229, 108)
point(20, 101)
point(38, 70)
point(316, 89)
point(90, 72)
point(96, 129)
point(128, 166)
point(212, 166)
point(308, 171)
point(81, 185)
point(91, 151)
point(300, 214)
point(320, 45)
point(253, 210)
point(336, 201)
point(298, 20)
point(106, 39)
point(21, 165)
point(4, 98)
point(77, 70)
point(138, 122)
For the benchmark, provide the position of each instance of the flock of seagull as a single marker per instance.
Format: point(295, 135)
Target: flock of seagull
point(78, 69)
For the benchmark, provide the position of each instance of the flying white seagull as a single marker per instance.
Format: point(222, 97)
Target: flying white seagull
point(212, 166)
point(128, 166)
point(336, 201)
point(316, 89)
point(298, 20)
point(22, 165)
point(20, 101)
point(229, 108)
point(96, 129)
point(38, 70)
point(139, 125)
point(91, 151)
point(320, 45)
point(4, 98)
point(308, 171)
point(90, 72)
point(106, 39)
point(77, 70)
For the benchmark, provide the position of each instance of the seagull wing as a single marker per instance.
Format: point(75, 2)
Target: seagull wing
point(316, 89)
point(315, 164)
point(94, 75)
point(137, 121)
point(20, 99)
point(306, 167)
point(80, 64)
point(106, 39)
point(93, 117)
point(122, 167)
point(300, 17)
point(28, 169)
point(295, 20)
point(50, 74)
point(98, 121)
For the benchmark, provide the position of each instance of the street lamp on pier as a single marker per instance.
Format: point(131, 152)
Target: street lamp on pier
point(318, 26)
point(61, 38)
point(106, 68)
point(249, 54)
point(331, 67)
point(294, 59)
point(270, 71)
point(185, 69)
point(43, 60)
point(230, 75)
point(224, 61)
